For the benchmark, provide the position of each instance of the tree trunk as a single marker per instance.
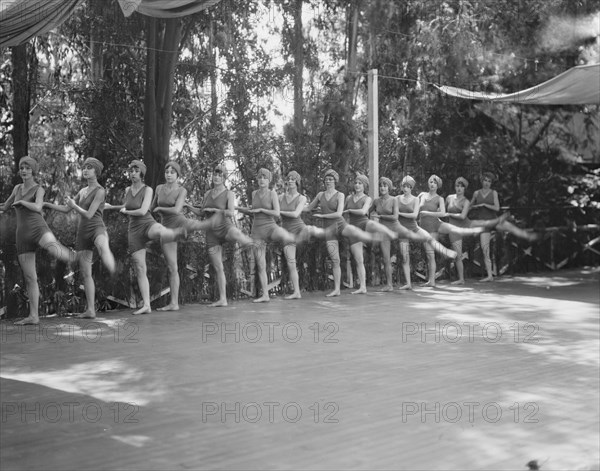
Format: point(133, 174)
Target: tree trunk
point(161, 60)
point(298, 67)
point(21, 101)
point(351, 77)
point(96, 47)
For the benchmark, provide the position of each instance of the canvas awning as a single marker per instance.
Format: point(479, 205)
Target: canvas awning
point(21, 20)
point(577, 86)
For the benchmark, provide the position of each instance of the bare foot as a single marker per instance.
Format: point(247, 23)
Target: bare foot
point(458, 282)
point(142, 310)
point(219, 303)
point(28, 321)
point(429, 284)
point(87, 315)
point(262, 299)
point(294, 296)
point(405, 287)
point(487, 279)
point(387, 288)
point(335, 292)
point(169, 307)
point(360, 291)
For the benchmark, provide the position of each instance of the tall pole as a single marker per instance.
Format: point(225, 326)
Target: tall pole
point(373, 132)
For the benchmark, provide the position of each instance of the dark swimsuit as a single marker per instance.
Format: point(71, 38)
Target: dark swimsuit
point(358, 220)
point(263, 225)
point(408, 223)
point(329, 206)
point(89, 229)
point(169, 200)
point(455, 208)
point(483, 213)
point(385, 207)
point(430, 223)
point(139, 226)
point(292, 225)
point(218, 233)
point(30, 224)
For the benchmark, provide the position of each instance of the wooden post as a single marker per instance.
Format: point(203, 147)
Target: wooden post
point(373, 133)
point(373, 141)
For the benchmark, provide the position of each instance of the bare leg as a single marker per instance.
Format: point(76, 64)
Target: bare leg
point(333, 249)
point(235, 235)
point(405, 251)
point(49, 243)
point(387, 262)
point(289, 251)
point(457, 246)
point(283, 236)
point(446, 228)
point(170, 252)
point(27, 262)
point(435, 245)
point(485, 238)
point(374, 226)
point(158, 231)
point(107, 257)
point(139, 261)
point(216, 259)
point(360, 235)
point(517, 231)
point(259, 249)
point(85, 266)
point(357, 253)
point(192, 225)
point(429, 251)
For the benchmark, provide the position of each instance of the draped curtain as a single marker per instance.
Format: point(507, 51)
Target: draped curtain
point(577, 86)
point(21, 20)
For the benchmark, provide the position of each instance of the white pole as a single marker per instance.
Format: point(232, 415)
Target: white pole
point(373, 133)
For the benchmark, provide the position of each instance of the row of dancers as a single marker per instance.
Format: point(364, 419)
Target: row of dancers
point(398, 218)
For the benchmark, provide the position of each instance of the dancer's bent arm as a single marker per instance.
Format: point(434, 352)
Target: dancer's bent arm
point(39, 202)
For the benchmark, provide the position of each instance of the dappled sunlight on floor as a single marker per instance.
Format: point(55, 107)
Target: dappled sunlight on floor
point(399, 370)
point(108, 381)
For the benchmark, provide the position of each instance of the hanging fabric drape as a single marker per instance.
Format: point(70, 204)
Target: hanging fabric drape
point(21, 20)
point(165, 8)
point(577, 86)
point(24, 19)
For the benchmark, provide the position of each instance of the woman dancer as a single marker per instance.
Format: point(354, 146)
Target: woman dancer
point(219, 206)
point(358, 206)
point(168, 202)
point(142, 227)
point(432, 208)
point(265, 208)
point(387, 207)
point(458, 210)
point(32, 232)
point(331, 203)
point(408, 212)
point(91, 231)
point(486, 205)
point(291, 204)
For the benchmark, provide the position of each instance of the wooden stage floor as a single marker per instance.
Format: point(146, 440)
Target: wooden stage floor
point(485, 376)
